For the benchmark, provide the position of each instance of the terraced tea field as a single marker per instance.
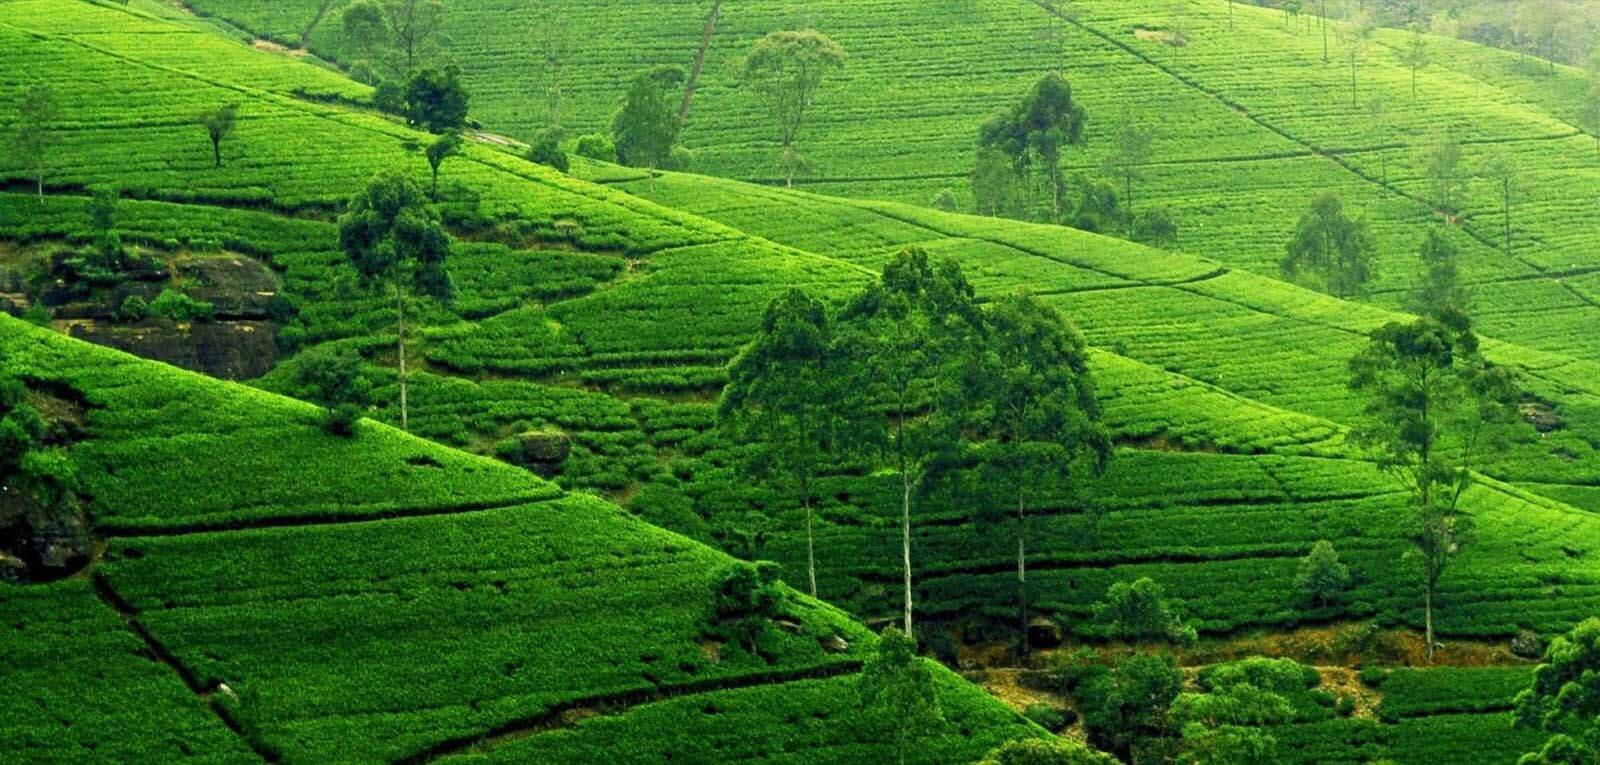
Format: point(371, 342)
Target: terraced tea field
point(1255, 104)
point(266, 590)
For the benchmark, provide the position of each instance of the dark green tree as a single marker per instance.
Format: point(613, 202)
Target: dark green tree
point(909, 336)
point(1321, 576)
point(337, 380)
point(393, 237)
point(219, 124)
point(442, 148)
point(1564, 698)
point(1126, 708)
point(1441, 287)
point(1435, 411)
point(1330, 251)
point(1045, 751)
point(1140, 611)
point(646, 128)
point(35, 134)
point(1036, 130)
point(897, 687)
point(1035, 406)
point(786, 397)
point(785, 70)
point(747, 597)
point(436, 100)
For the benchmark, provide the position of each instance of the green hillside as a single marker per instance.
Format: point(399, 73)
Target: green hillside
point(470, 599)
point(266, 590)
point(1255, 104)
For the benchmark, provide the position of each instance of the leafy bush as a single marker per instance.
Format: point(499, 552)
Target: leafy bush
point(1047, 716)
point(133, 309)
point(545, 149)
point(597, 146)
point(177, 306)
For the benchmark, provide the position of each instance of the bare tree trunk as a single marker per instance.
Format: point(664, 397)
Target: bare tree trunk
point(1324, 31)
point(216, 151)
point(400, 303)
point(41, 187)
point(1427, 618)
point(905, 540)
point(699, 63)
point(811, 550)
point(1022, 576)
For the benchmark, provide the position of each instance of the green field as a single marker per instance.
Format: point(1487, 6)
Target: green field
point(407, 597)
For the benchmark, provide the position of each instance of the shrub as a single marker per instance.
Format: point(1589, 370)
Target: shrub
point(37, 315)
point(1321, 576)
point(1046, 716)
point(944, 200)
point(174, 305)
point(1140, 611)
point(1373, 677)
point(597, 147)
point(133, 309)
point(545, 149)
point(1156, 227)
point(744, 596)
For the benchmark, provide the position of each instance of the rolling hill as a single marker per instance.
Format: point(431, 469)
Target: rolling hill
point(308, 573)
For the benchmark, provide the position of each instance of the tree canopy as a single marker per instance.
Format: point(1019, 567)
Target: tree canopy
point(1331, 251)
point(785, 70)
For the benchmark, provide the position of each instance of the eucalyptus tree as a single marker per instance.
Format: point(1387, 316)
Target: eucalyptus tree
point(1035, 406)
point(788, 400)
point(910, 336)
point(393, 238)
point(35, 133)
point(1435, 411)
point(1415, 56)
point(1330, 250)
point(785, 69)
point(1135, 145)
point(1037, 129)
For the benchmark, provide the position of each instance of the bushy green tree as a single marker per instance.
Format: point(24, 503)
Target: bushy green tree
point(436, 100)
point(337, 380)
point(1435, 411)
point(997, 187)
point(909, 336)
point(178, 306)
point(787, 397)
point(219, 124)
point(1034, 405)
point(34, 132)
point(646, 128)
point(1045, 751)
point(597, 147)
point(1321, 576)
point(897, 688)
point(1035, 131)
point(545, 149)
point(747, 597)
point(1139, 610)
point(393, 237)
point(1331, 251)
point(785, 70)
point(1126, 708)
point(1564, 698)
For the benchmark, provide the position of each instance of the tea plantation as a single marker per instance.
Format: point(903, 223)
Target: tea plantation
point(262, 589)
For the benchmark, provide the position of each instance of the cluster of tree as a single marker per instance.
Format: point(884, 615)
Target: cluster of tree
point(1564, 699)
point(1018, 169)
point(914, 374)
point(41, 528)
point(400, 50)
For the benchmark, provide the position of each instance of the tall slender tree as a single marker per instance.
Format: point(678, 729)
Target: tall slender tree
point(393, 237)
point(786, 69)
point(910, 335)
point(442, 148)
point(1503, 173)
point(1415, 56)
point(35, 132)
point(787, 399)
point(1355, 36)
point(1135, 145)
point(1037, 411)
point(1435, 410)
